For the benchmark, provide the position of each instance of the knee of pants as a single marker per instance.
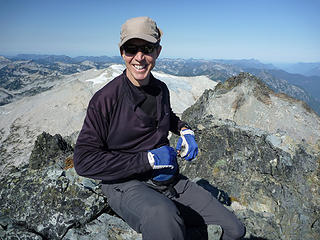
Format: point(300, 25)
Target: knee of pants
point(162, 216)
point(237, 231)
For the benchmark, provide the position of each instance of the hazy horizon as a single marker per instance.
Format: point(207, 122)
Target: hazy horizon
point(160, 57)
point(270, 31)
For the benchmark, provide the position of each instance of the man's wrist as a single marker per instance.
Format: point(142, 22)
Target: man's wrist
point(186, 131)
point(185, 126)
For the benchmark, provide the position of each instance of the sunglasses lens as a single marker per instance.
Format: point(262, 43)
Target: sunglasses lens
point(148, 49)
point(130, 49)
point(133, 49)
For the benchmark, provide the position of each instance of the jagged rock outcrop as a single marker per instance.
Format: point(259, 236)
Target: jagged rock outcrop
point(274, 192)
point(49, 150)
point(47, 198)
point(262, 149)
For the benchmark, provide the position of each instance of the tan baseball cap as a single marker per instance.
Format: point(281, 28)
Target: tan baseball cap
point(140, 27)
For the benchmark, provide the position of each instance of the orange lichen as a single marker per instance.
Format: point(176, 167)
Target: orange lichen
point(234, 199)
point(68, 163)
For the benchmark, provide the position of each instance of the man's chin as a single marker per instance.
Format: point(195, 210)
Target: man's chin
point(140, 77)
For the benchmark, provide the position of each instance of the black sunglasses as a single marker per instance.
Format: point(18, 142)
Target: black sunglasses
point(146, 49)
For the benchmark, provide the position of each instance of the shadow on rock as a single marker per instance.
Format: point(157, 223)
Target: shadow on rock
point(221, 195)
point(255, 238)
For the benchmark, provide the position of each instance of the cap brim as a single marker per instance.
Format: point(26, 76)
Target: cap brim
point(145, 37)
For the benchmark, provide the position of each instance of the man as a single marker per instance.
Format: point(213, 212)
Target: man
point(124, 143)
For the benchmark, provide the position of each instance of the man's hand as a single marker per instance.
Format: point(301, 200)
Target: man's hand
point(163, 157)
point(188, 143)
point(164, 162)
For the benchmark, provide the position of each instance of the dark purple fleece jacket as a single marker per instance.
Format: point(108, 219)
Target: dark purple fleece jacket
point(117, 133)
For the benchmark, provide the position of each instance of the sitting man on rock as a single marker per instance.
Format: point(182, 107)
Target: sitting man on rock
point(124, 143)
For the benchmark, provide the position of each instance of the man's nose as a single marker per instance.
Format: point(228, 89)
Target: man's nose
point(140, 55)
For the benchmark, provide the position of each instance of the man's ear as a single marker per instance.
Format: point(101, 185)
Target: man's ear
point(159, 50)
point(121, 52)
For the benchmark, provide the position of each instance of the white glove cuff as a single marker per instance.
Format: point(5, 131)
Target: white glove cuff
point(151, 159)
point(186, 131)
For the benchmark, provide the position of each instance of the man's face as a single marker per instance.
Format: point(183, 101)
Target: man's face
point(139, 64)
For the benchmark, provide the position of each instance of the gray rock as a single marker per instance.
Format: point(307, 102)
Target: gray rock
point(275, 193)
point(14, 234)
point(49, 200)
point(48, 150)
point(105, 227)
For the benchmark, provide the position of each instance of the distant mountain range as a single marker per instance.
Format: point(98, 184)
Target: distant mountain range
point(307, 69)
point(65, 59)
point(29, 74)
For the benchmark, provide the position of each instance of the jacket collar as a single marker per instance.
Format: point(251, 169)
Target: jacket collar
point(133, 92)
point(137, 97)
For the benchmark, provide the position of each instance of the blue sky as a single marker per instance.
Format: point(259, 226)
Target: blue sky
point(267, 30)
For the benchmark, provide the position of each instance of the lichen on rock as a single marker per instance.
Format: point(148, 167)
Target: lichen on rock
point(49, 200)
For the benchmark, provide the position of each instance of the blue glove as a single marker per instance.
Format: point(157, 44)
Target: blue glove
point(164, 175)
point(188, 143)
point(164, 162)
point(162, 157)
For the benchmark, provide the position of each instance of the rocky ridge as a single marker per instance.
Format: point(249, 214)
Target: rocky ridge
point(46, 198)
point(297, 86)
point(247, 101)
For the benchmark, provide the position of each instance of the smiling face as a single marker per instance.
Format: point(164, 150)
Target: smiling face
point(139, 65)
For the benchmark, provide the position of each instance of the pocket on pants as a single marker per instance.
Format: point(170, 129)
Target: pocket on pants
point(115, 193)
point(114, 196)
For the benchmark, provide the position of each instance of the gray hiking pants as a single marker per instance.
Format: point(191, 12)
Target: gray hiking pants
point(168, 214)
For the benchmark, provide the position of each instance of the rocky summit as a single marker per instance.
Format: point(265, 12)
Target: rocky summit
point(270, 178)
point(247, 101)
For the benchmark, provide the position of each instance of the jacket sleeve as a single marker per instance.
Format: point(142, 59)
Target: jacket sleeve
point(93, 159)
point(175, 122)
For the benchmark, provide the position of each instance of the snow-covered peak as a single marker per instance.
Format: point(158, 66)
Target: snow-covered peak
point(108, 74)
